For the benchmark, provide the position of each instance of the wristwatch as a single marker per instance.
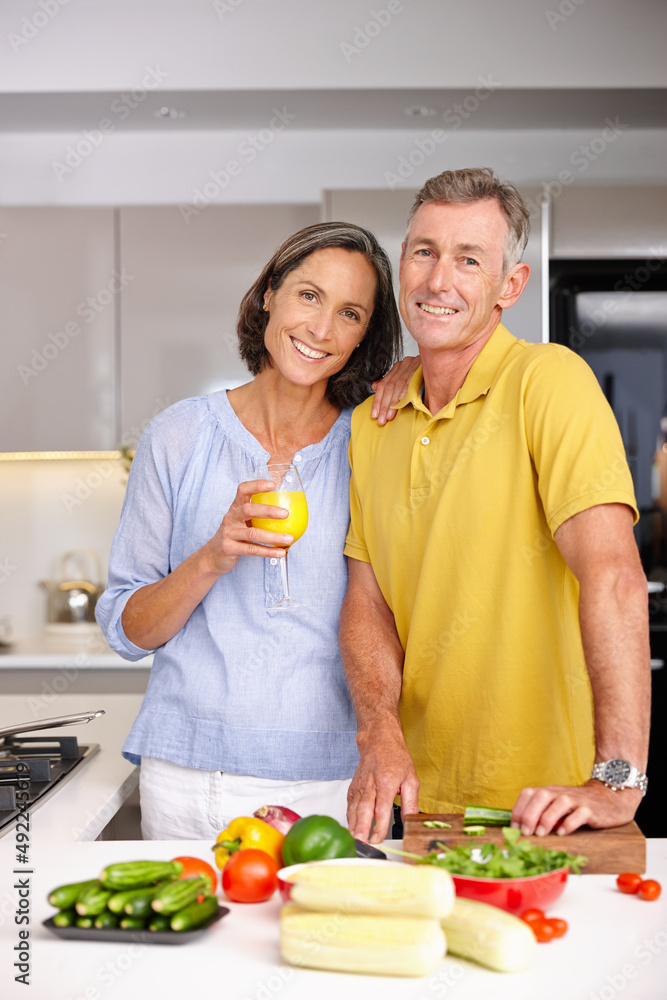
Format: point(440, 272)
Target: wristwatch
point(618, 774)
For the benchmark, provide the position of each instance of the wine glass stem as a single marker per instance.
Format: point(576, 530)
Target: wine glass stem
point(284, 577)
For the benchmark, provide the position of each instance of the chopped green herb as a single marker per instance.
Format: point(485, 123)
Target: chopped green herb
point(514, 859)
point(437, 824)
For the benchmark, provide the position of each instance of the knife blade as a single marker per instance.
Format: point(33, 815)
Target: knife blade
point(368, 851)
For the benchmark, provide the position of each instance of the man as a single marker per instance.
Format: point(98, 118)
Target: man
point(495, 629)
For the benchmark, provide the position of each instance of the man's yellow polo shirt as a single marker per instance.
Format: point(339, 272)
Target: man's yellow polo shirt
point(456, 512)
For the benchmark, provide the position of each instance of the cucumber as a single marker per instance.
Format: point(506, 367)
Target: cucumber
point(175, 895)
point(65, 918)
point(474, 831)
point(159, 922)
point(132, 923)
point(195, 914)
point(487, 815)
point(137, 874)
point(86, 922)
point(65, 896)
point(106, 919)
point(92, 901)
point(139, 905)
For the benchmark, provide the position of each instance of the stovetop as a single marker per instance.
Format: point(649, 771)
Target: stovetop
point(32, 769)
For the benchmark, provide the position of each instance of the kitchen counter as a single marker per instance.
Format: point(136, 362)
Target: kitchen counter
point(81, 806)
point(616, 946)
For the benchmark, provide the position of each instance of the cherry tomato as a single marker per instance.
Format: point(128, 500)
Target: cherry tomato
point(558, 926)
point(629, 882)
point(542, 929)
point(532, 914)
point(250, 876)
point(195, 866)
point(650, 889)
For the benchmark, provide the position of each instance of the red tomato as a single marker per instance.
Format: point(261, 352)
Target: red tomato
point(558, 926)
point(195, 866)
point(542, 929)
point(629, 882)
point(532, 914)
point(650, 889)
point(250, 876)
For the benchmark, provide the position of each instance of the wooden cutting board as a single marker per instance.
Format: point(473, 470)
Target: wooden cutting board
point(609, 852)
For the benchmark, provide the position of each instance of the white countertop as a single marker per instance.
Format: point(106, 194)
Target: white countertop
point(616, 946)
point(41, 652)
point(83, 805)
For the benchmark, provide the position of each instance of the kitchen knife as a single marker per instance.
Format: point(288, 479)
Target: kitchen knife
point(367, 851)
point(63, 720)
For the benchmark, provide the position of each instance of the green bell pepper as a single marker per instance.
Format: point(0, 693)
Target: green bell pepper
point(317, 838)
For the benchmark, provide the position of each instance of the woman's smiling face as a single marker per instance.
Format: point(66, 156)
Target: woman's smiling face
point(319, 314)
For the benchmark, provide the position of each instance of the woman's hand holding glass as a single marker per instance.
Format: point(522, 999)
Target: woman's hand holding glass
point(287, 489)
point(237, 536)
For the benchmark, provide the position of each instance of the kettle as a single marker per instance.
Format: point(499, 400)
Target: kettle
point(74, 600)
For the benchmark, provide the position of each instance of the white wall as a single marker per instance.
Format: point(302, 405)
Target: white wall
point(256, 44)
point(47, 509)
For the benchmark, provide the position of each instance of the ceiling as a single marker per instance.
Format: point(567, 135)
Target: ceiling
point(486, 108)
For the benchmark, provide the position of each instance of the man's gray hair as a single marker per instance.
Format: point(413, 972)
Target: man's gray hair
point(460, 187)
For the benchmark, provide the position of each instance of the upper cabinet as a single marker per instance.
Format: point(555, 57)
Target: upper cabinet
point(178, 312)
point(58, 289)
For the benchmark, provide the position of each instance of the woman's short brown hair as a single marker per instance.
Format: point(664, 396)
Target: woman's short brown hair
point(382, 343)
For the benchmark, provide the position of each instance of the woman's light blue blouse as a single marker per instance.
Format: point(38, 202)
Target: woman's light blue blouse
point(239, 688)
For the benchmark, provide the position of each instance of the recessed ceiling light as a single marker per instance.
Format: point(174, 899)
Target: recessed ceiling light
point(165, 112)
point(419, 111)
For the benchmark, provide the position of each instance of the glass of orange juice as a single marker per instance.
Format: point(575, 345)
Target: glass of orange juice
point(288, 493)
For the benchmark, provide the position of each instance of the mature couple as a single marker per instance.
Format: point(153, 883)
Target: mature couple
point(492, 606)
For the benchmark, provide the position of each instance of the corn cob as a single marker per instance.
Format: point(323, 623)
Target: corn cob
point(392, 946)
point(381, 888)
point(488, 936)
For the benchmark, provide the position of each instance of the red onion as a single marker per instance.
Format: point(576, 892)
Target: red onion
point(280, 818)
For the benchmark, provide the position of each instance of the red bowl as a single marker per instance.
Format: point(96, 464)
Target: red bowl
point(514, 894)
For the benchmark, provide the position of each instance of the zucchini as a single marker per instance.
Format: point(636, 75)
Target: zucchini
point(173, 896)
point(86, 922)
point(139, 904)
point(489, 936)
point(92, 901)
point(106, 919)
point(65, 918)
point(137, 874)
point(65, 896)
point(195, 914)
point(133, 923)
point(159, 922)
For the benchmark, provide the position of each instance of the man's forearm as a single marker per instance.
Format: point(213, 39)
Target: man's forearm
point(373, 660)
point(613, 615)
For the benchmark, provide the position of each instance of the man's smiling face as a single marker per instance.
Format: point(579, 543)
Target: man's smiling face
point(452, 273)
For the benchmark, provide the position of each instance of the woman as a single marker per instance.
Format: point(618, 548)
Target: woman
point(247, 706)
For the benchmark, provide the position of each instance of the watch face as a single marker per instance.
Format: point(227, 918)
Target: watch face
point(616, 772)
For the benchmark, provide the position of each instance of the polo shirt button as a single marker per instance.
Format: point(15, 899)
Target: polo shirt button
point(426, 440)
point(297, 458)
point(274, 562)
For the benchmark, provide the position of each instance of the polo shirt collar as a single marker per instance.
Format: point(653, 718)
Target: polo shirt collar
point(479, 379)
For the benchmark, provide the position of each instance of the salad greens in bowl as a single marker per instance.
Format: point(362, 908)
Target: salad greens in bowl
point(515, 876)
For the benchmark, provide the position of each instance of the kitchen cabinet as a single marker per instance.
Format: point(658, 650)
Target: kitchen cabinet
point(610, 222)
point(59, 287)
point(178, 315)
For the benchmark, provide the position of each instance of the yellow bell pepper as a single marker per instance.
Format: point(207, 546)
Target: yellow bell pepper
point(245, 832)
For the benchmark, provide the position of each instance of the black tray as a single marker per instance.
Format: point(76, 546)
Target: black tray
point(140, 936)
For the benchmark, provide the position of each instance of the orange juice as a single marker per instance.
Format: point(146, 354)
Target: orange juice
point(294, 502)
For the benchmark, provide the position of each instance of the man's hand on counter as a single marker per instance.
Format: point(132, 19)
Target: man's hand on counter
point(385, 770)
point(541, 810)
